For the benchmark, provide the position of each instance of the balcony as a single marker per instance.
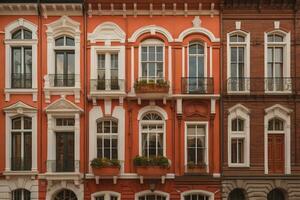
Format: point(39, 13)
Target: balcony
point(151, 85)
point(21, 80)
point(107, 88)
point(62, 166)
point(255, 85)
point(61, 80)
point(197, 85)
point(20, 164)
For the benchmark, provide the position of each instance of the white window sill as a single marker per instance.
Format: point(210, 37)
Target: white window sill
point(20, 173)
point(238, 92)
point(238, 165)
point(10, 91)
point(62, 91)
point(61, 176)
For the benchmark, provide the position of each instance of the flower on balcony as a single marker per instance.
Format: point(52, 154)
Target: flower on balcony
point(156, 86)
point(104, 162)
point(143, 161)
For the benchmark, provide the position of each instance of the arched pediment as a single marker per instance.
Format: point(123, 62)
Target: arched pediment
point(64, 25)
point(63, 105)
point(107, 31)
point(152, 29)
point(20, 23)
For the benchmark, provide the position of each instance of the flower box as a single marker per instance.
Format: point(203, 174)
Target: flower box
point(152, 88)
point(151, 171)
point(106, 171)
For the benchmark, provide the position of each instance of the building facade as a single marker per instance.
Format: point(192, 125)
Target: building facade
point(260, 136)
point(104, 79)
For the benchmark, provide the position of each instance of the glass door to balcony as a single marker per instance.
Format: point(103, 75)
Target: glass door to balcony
point(237, 79)
point(196, 80)
point(65, 152)
point(64, 69)
point(274, 80)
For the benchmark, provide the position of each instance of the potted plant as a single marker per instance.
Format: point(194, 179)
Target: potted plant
point(196, 168)
point(153, 166)
point(105, 167)
point(151, 86)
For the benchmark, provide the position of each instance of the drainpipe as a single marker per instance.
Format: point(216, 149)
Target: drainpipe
point(221, 109)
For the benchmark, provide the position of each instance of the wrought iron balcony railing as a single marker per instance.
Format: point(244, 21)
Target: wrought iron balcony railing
point(107, 85)
point(63, 165)
point(21, 80)
point(197, 85)
point(62, 80)
point(258, 85)
point(20, 164)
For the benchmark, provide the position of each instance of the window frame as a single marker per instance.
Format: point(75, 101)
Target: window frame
point(205, 54)
point(246, 45)
point(23, 191)
point(150, 42)
point(210, 195)
point(201, 123)
point(285, 44)
point(240, 112)
point(107, 195)
point(147, 192)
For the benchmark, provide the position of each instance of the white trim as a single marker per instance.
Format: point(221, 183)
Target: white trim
point(210, 62)
point(132, 69)
point(170, 68)
point(151, 108)
point(15, 110)
point(62, 26)
point(183, 61)
point(206, 124)
point(9, 43)
point(152, 29)
point(284, 114)
point(145, 192)
point(239, 111)
point(246, 46)
point(107, 32)
point(106, 195)
point(54, 189)
point(193, 30)
point(210, 195)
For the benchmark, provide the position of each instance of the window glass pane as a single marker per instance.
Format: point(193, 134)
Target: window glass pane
point(151, 53)
point(70, 41)
point(71, 63)
point(233, 38)
point(152, 73)
point(60, 59)
point(159, 53)
point(200, 49)
point(27, 34)
point(200, 66)
point(60, 41)
point(100, 198)
point(241, 54)
point(16, 123)
point(278, 54)
point(234, 150)
point(114, 61)
point(270, 38)
point(144, 53)
point(101, 61)
point(241, 150)
point(192, 49)
point(28, 60)
point(192, 66)
point(241, 38)
point(278, 38)
point(234, 125)
point(17, 60)
point(159, 69)
point(27, 123)
point(144, 69)
point(233, 54)
point(17, 34)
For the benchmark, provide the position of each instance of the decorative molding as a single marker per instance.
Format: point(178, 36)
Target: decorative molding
point(107, 32)
point(150, 108)
point(63, 105)
point(152, 29)
point(238, 25)
point(276, 24)
point(197, 22)
point(210, 195)
point(19, 108)
point(145, 192)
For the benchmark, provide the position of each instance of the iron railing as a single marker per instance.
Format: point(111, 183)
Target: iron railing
point(21, 80)
point(62, 165)
point(257, 85)
point(107, 84)
point(21, 164)
point(62, 80)
point(197, 85)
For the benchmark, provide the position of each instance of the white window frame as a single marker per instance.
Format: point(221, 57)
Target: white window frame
point(286, 44)
point(164, 116)
point(9, 43)
point(211, 196)
point(106, 194)
point(206, 124)
point(283, 113)
point(204, 44)
point(69, 27)
point(152, 42)
point(241, 112)
point(148, 192)
point(246, 46)
point(11, 112)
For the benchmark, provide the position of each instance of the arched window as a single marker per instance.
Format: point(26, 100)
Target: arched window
point(236, 194)
point(21, 60)
point(20, 194)
point(237, 61)
point(152, 134)
point(238, 136)
point(65, 195)
point(152, 60)
point(21, 143)
point(275, 124)
point(106, 196)
point(64, 62)
point(21, 34)
point(196, 197)
point(107, 139)
point(152, 197)
point(196, 70)
point(276, 194)
point(277, 62)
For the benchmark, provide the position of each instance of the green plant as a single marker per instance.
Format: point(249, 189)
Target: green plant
point(192, 165)
point(104, 162)
point(160, 161)
point(159, 83)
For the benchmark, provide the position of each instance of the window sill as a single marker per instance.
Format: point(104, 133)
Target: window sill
point(61, 176)
point(20, 173)
point(238, 166)
point(62, 91)
point(10, 91)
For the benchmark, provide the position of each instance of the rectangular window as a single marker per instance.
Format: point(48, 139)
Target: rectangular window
point(21, 76)
point(196, 144)
point(237, 64)
point(275, 69)
point(152, 62)
point(65, 122)
point(237, 150)
point(64, 69)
